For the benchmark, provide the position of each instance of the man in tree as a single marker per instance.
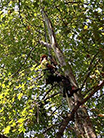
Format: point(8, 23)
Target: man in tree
point(51, 76)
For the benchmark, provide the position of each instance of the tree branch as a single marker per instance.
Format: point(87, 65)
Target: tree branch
point(50, 128)
point(76, 3)
point(51, 96)
point(98, 87)
point(89, 70)
point(63, 125)
point(28, 55)
point(55, 110)
point(47, 93)
point(70, 117)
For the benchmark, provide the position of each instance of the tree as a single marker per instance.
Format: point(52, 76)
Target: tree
point(28, 29)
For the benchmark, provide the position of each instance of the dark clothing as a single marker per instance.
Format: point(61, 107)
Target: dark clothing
point(67, 88)
point(51, 76)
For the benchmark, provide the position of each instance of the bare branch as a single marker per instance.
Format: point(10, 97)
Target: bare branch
point(47, 93)
point(50, 128)
point(52, 96)
point(98, 87)
point(89, 70)
point(79, 2)
point(24, 60)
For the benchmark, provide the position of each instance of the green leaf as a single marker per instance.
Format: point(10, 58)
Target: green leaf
point(20, 96)
point(7, 129)
point(85, 27)
point(21, 120)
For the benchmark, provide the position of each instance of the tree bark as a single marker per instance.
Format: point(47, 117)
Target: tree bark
point(83, 124)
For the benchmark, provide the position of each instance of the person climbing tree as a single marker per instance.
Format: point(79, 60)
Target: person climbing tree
point(51, 76)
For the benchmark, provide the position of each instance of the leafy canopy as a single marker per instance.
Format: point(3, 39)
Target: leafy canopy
point(79, 29)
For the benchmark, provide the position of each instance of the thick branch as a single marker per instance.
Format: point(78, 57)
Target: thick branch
point(70, 117)
point(50, 27)
point(63, 125)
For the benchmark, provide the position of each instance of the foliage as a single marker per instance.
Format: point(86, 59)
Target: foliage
point(79, 29)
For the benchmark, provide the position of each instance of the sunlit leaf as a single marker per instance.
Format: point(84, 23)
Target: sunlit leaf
point(20, 96)
point(85, 27)
point(7, 129)
point(21, 120)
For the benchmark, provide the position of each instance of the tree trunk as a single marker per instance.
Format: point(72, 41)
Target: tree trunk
point(83, 124)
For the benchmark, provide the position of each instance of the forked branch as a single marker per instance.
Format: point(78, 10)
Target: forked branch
point(70, 116)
